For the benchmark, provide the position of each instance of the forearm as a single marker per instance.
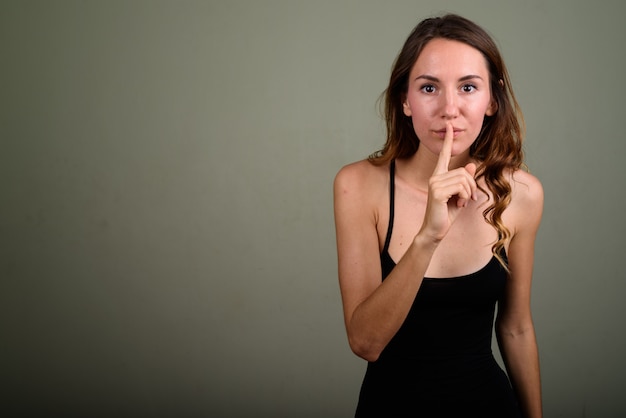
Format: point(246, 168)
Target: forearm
point(378, 318)
point(520, 354)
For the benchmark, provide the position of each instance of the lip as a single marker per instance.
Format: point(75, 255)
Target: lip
point(441, 133)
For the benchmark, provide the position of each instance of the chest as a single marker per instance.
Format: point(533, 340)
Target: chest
point(465, 249)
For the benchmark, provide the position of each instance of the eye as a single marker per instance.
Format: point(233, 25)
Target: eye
point(468, 88)
point(428, 88)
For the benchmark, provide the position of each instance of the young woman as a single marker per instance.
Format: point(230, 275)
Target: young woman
point(436, 228)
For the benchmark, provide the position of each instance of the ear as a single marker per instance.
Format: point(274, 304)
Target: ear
point(492, 108)
point(406, 108)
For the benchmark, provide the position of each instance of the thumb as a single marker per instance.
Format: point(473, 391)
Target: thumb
point(471, 168)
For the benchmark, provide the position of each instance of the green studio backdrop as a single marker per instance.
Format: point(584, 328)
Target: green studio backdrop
point(166, 231)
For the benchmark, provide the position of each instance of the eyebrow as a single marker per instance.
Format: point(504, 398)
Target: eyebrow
point(435, 79)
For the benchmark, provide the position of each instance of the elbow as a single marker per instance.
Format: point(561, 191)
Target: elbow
point(365, 349)
point(515, 331)
point(365, 353)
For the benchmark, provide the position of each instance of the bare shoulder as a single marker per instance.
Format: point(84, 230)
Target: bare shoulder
point(527, 189)
point(527, 200)
point(359, 192)
point(360, 179)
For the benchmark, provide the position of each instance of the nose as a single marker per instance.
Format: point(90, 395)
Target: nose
point(450, 107)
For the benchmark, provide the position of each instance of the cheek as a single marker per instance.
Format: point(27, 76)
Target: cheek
point(478, 113)
point(484, 107)
point(420, 113)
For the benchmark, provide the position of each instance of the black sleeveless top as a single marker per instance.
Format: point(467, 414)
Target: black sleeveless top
point(439, 363)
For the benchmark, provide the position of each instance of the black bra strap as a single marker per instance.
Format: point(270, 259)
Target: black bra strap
point(392, 186)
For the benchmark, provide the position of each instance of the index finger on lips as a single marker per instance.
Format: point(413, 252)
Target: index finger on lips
point(446, 151)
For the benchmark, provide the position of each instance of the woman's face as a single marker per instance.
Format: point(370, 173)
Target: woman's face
point(448, 82)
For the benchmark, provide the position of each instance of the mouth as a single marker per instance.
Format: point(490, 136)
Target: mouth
point(441, 133)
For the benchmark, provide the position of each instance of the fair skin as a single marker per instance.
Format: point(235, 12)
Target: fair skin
point(439, 230)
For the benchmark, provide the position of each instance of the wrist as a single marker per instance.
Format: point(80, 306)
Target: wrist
point(424, 243)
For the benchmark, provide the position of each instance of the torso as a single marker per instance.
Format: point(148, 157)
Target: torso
point(440, 360)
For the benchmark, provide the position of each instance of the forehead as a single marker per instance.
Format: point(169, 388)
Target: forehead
point(447, 57)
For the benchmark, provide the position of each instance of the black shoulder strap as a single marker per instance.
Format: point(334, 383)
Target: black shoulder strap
point(392, 186)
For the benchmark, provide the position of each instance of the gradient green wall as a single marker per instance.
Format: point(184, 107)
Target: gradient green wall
point(166, 232)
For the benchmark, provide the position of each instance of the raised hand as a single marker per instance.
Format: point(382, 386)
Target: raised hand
point(448, 191)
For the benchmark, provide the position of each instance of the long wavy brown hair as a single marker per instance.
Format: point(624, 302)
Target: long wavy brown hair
point(499, 144)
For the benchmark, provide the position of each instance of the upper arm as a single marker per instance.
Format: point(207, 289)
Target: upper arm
point(524, 214)
point(357, 237)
